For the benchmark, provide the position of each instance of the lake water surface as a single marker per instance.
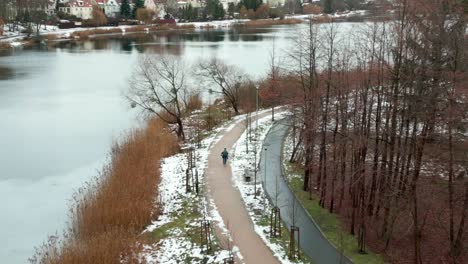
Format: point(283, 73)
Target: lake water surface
point(62, 107)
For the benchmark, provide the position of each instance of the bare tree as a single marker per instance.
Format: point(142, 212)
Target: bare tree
point(227, 78)
point(159, 86)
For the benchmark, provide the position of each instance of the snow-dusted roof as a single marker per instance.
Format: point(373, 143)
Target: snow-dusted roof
point(80, 3)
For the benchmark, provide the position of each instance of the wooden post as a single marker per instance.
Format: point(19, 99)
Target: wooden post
point(294, 250)
point(187, 180)
point(206, 234)
point(196, 182)
point(275, 222)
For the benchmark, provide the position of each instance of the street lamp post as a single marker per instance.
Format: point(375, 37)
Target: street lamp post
point(255, 148)
point(256, 114)
point(210, 91)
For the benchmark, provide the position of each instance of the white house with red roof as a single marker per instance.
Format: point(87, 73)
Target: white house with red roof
point(80, 8)
point(110, 7)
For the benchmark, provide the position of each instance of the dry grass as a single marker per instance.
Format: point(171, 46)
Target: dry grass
point(271, 22)
point(110, 212)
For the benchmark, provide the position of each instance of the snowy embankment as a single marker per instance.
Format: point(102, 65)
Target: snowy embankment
point(345, 14)
point(177, 244)
point(243, 161)
point(176, 229)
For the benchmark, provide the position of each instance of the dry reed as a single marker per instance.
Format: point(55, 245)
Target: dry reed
point(111, 211)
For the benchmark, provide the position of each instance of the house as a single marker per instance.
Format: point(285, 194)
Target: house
point(80, 8)
point(225, 3)
point(110, 7)
point(194, 3)
point(50, 7)
point(157, 6)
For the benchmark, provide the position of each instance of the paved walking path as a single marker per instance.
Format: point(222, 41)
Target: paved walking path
point(229, 202)
point(313, 241)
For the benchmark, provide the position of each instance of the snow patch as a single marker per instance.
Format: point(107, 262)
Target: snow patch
point(243, 162)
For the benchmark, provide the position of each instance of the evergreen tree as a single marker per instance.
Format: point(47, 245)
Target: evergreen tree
point(250, 4)
point(232, 8)
point(138, 4)
point(125, 9)
point(298, 8)
point(215, 9)
point(328, 6)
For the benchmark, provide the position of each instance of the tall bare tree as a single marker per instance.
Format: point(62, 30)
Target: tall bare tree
point(227, 79)
point(159, 86)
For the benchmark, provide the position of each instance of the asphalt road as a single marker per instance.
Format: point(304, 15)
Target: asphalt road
point(312, 240)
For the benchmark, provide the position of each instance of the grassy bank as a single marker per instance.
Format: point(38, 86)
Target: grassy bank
point(331, 225)
point(110, 211)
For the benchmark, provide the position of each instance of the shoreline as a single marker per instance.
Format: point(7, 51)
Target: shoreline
point(54, 35)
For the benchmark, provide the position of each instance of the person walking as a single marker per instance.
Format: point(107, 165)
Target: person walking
point(225, 156)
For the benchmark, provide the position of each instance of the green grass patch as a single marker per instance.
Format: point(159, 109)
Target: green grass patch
point(186, 224)
point(332, 227)
point(283, 241)
point(183, 220)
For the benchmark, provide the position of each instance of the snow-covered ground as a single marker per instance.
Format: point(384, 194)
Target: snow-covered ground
point(287, 152)
point(334, 15)
point(242, 161)
point(216, 24)
point(176, 246)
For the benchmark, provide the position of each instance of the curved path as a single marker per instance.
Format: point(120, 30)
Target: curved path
point(229, 203)
point(312, 240)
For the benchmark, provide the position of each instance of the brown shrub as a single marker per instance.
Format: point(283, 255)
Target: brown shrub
point(243, 12)
point(194, 102)
point(145, 15)
point(250, 14)
point(215, 114)
point(312, 9)
point(262, 11)
point(99, 18)
point(110, 212)
point(2, 23)
point(249, 97)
